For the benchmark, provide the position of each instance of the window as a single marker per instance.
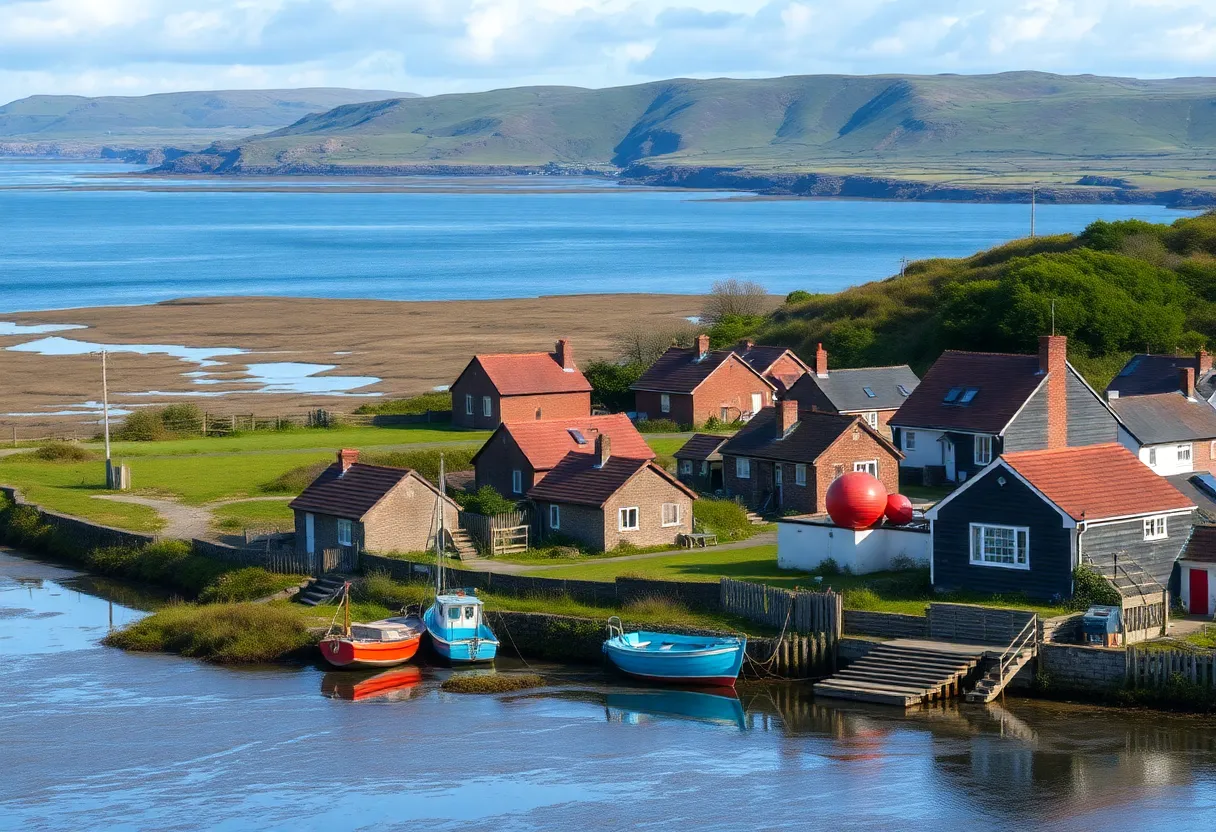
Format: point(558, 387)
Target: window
point(453, 613)
point(1152, 456)
point(1184, 453)
point(555, 517)
point(904, 391)
point(909, 440)
point(1212, 451)
point(983, 450)
point(870, 394)
point(871, 417)
point(800, 474)
point(671, 514)
point(1004, 546)
point(968, 395)
point(869, 466)
point(517, 481)
point(952, 395)
point(487, 406)
point(576, 435)
point(837, 471)
point(704, 468)
point(468, 404)
point(627, 519)
point(743, 468)
point(469, 613)
point(686, 467)
point(1155, 528)
point(664, 403)
point(344, 532)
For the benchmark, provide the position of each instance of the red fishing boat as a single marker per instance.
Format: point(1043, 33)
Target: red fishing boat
point(384, 643)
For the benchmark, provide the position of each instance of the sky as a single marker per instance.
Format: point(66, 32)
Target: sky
point(134, 47)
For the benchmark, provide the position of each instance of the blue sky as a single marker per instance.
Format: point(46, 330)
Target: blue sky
point(132, 47)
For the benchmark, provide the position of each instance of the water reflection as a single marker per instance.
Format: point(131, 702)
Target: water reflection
point(719, 707)
point(396, 684)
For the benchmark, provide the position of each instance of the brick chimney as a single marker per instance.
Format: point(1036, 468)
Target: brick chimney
point(1053, 361)
point(1204, 359)
point(748, 344)
point(821, 361)
point(603, 450)
point(787, 416)
point(702, 345)
point(346, 458)
point(1186, 382)
point(565, 355)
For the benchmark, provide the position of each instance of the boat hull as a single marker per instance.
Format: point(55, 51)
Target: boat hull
point(659, 657)
point(349, 653)
point(353, 687)
point(461, 645)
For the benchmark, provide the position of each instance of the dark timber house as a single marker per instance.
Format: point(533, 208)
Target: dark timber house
point(972, 407)
point(1147, 375)
point(1028, 519)
point(699, 462)
point(873, 393)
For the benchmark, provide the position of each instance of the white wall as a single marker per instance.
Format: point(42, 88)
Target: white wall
point(1210, 568)
point(1167, 455)
point(928, 450)
point(802, 545)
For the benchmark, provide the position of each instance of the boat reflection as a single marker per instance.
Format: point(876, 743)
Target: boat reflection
point(398, 683)
point(716, 705)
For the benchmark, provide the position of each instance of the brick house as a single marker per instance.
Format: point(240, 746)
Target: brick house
point(519, 454)
point(689, 386)
point(602, 500)
point(873, 393)
point(514, 387)
point(777, 364)
point(369, 508)
point(1148, 375)
point(1172, 433)
point(785, 458)
point(972, 407)
point(699, 462)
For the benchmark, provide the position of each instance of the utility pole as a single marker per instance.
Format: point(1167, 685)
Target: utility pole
point(105, 409)
point(903, 265)
point(1034, 187)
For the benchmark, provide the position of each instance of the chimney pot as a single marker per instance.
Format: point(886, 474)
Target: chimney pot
point(702, 345)
point(821, 361)
point(346, 458)
point(787, 416)
point(1053, 362)
point(1186, 381)
point(565, 354)
point(603, 450)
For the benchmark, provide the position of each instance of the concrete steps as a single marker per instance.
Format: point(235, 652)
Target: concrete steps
point(991, 684)
point(755, 519)
point(322, 590)
point(463, 543)
point(905, 673)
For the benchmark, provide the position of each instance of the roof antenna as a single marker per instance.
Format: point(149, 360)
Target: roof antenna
point(1053, 317)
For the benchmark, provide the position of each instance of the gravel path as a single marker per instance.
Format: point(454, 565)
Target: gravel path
point(183, 521)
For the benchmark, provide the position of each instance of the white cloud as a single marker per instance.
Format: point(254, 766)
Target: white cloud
point(431, 46)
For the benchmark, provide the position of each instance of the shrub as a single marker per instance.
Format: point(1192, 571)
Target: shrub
point(435, 400)
point(166, 563)
point(486, 500)
point(798, 296)
point(222, 633)
point(143, 426)
point(659, 426)
point(23, 526)
point(715, 425)
point(610, 382)
point(1090, 588)
point(182, 419)
point(862, 598)
point(725, 518)
point(248, 584)
point(827, 567)
point(63, 452)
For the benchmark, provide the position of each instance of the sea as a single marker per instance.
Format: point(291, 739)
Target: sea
point(79, 234)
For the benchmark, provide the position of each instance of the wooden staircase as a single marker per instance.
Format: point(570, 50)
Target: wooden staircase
point(322, 590)
point(905, 672)
point(463, 543)
point(1023, 648)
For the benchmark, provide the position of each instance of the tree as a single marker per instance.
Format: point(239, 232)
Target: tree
point(744, 298)
point(610, 383)
point(643, 343)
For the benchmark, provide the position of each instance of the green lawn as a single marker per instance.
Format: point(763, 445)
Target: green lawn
point(301, 439)
point(69, 488)
point(666, 445)
point(754, 563)
point(236, 517)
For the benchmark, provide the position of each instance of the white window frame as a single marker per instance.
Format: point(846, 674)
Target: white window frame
point(869, 466)
point(346, 532)
point(468, 404)
point(517, 481)
point(983, 449)
point(686, 467)
point(623, 517)
point(800, 473)
point(664, 403)
point(743, 468)
point(1021, 534)
point(487, 406)
point(675, 507)
point(909, 440)
point(555, 516)
point(1212, 450)
point(871, 417)
point(1156, 528)
point(1152, 456)
point(1183, 452)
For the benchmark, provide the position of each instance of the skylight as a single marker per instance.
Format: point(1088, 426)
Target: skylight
point(577, 436)
point(904, 391)
point(952, 395)
point(968, 395)
point(1131, 367)
point(869, 393)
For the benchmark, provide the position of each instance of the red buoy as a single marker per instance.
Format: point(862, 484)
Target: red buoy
point(899, 509)
point(856, 500)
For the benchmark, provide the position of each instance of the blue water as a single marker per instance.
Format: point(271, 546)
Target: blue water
point(69, 247)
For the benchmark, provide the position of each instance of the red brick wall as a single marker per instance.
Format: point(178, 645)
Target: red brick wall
point(855, 446)
point(495, 462)
point(1202, 457)
point(651, 404)
point(474, 382)
point(732, 386)
point(550, 406)
point(785, 366)
point(1053, 359)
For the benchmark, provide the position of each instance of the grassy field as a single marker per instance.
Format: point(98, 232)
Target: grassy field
point(300, 439)
point(234, 517)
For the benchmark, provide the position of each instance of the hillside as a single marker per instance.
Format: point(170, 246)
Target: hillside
point(1118, 288)
point(921, 128)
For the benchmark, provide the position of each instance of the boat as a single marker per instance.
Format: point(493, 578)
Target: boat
point(711, 661)
point(383, 643)
point(398, 683)
point(455, 622)
point(719, 706)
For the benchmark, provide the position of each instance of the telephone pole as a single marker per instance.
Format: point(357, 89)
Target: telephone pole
point(1034, 187)
point(903, 265)
point(105, 410)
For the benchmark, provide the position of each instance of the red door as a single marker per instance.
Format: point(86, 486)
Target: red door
point(1199, 591)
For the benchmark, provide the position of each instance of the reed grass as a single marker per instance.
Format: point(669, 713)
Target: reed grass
point(491, 682)
point(220, 633)
point(248, 584)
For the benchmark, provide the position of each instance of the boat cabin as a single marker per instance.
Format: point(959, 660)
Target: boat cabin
point(390, 629)
point(459, 611)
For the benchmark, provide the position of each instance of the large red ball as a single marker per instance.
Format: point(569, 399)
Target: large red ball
point(856, 500)
point(899, 509)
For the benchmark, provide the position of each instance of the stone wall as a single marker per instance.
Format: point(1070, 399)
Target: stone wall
point(850, 648)
point(1083, 668)
point(885, 624)
point(81, 534)
point(1063, 629)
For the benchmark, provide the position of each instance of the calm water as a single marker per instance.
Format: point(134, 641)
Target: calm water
point(71, 247)
point(95, 738)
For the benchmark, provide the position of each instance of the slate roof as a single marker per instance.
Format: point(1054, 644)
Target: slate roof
point(702, 446)
point(546, 441)
point(680, 370)
point(760, 357)
point(845, 390)
point(814, 432)
point(1146, 375)
point(576, 480)
point(1202, 545)
point(1003, 384)
point(353, 494)
point(530, 373)
point(1165, 417)
point(1097, 482)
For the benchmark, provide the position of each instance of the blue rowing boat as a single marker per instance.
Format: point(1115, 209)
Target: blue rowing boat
point(666, 657)
point(457, 630)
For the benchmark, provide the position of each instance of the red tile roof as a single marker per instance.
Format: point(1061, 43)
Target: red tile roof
point(546, 441)
point(530, 373)
point(353, 494)
point(1004, 383)
point(576, 479)
point(1097, 482)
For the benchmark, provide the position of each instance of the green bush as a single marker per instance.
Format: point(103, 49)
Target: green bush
point(182, 419)
point(63, 452)
point(798, 296)
point(222, 633)
point(143, 426)
point(486, 500)
point(168, 563)
point(659, 426)
point(610, 383)
point(23, 526)
point(248, 584)
point(725, 518)
point(414, 405)
point(1090, 588)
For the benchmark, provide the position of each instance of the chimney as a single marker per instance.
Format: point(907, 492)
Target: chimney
point(1186, 382)
point(702, 345)
point(1204, 359)
point(565, 355)
point(821, 361)
point(787, 416)
point(346, 458)
point(1053, 361)
point(748, 344)
point(603, 450)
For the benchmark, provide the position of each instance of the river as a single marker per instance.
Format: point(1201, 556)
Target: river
point(63, 243)
point(94, 738)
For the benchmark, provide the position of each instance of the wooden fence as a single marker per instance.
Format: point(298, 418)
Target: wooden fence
point(1145, 616)
point(498, 534)
point(1153, 668)
point(284, 561)
point(782, 609)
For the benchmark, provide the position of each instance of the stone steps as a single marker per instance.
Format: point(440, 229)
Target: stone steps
point(903, 674)
point(321, 590)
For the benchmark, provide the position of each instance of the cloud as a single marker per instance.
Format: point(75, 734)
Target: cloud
point(432, 46)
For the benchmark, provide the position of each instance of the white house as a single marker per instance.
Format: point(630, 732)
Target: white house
point(1171, 433)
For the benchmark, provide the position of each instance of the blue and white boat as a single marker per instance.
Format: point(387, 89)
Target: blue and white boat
point(457, 630)
point(666, 657)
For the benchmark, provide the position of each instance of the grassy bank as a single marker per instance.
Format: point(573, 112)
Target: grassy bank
point(221, 633)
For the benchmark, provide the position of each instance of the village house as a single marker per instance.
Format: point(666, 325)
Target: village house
point(689, 386)
point(369, 508)
point(1197, 568)
point(603, 500)
point(519, 454)
point(777, 364)
point(699, 462)
point(785, 458)
point(514, 387)
point(1029, 518)
point(972, 407)
point(873, 393)
point(1172, 433)
point(1147, 375)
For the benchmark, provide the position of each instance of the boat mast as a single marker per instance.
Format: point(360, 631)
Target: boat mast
point(347, 605)
point(439, 533)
